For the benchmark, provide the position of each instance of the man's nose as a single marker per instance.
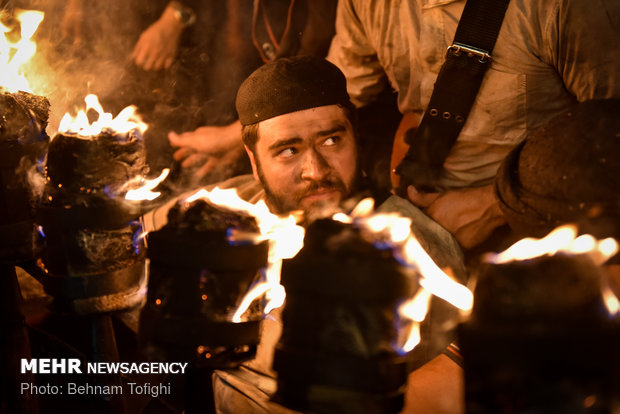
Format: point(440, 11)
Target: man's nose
point(315, 166)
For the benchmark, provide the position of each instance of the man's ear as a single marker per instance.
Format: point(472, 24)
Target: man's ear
point(252, 161)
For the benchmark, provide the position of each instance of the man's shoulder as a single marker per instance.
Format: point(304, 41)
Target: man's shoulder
point(248, 188)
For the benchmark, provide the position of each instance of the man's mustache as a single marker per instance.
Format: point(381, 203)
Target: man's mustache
point(328, 184)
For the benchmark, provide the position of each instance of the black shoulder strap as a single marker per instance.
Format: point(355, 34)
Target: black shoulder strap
point(456, 87)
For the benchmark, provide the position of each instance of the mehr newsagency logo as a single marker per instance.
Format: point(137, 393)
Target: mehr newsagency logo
point(75, 366)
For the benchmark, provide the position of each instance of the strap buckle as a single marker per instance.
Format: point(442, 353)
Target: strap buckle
point(458, 48)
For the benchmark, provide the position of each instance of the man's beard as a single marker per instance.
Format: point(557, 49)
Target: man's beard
point(283, 205)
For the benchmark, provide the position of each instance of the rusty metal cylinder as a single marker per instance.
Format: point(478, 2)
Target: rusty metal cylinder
point(197, 279)
point(338, 351)
point(94, 252)
point(540, 339)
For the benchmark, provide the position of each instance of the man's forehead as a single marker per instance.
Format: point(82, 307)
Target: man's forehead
point(303, 124)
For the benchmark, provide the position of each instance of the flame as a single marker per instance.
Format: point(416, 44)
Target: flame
point(611, 300)
point(144, 192)
point(416, 308)
point(14, 55)
point(364, 208)
point(285, 240)
point(562, 239)
point(435, 280)
point(394, 232)
point(127, 120)
point(414, 337)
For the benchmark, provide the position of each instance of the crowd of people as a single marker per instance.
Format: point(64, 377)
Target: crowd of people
point(297, 103)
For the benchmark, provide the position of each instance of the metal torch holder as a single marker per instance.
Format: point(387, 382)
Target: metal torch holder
point(541, 340)
point(67, 290)
point(16, 248)
point(196, 280)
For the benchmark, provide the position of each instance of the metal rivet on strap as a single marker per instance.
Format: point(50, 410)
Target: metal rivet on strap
point(433, 112)
point(447, 115)
point(459, 119)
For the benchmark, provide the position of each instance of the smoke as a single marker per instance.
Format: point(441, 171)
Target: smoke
point(199, 89)
point(64, 71)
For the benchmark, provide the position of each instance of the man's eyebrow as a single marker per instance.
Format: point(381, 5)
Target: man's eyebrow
point(297, 140)
point(285, 143)
point(337, 128)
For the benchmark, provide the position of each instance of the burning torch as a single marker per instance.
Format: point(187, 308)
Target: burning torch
point(93, 253)
point(214, 274)
point(23, 141)
point(353, 313)
point(544, 332)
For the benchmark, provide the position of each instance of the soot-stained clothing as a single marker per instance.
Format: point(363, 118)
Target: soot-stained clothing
point(549, 53)
point(248, 388)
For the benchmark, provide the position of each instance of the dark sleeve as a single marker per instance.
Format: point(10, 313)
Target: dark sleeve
point(320, 28)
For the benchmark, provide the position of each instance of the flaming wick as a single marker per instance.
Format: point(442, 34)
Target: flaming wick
point(144, 192)
point(561, 240)
point(127, 120)
point(392, 231)
point(24, 49)
point(285, 240)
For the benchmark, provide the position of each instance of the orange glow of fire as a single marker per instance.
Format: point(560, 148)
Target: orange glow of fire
point(285, 240)
point(145, 191)
point(127, 120)
point(394, 231)
point(561, 240)
point(14, 54)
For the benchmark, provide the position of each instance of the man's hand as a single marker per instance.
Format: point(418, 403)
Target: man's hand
point(158, 45)
point(470, 214)
point(211, 145)
point(437, 387)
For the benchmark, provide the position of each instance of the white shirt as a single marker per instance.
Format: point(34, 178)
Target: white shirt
point(548, 54)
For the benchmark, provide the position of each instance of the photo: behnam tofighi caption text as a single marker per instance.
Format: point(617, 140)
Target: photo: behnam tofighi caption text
point(73, 388)
point(67, 378)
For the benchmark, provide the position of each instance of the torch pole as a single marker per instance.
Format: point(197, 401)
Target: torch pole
point(199, 396)
point(14, 345)
point(103, 349)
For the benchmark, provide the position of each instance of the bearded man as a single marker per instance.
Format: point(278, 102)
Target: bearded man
point(299, 133)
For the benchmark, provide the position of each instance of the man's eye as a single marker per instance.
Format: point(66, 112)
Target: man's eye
point(287, 152)
point(331, 141)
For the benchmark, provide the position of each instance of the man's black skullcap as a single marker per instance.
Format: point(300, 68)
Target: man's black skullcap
point(288, 85)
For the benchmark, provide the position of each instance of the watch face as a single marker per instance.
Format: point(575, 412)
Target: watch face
point(185, 16)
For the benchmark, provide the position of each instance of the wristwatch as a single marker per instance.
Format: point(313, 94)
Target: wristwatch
point(183, 14)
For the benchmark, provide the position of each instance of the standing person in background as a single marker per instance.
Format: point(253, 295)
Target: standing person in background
point(548, 55)
point(255, 33)
point(158, 52)
point(186, 63)
point(158, 45)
